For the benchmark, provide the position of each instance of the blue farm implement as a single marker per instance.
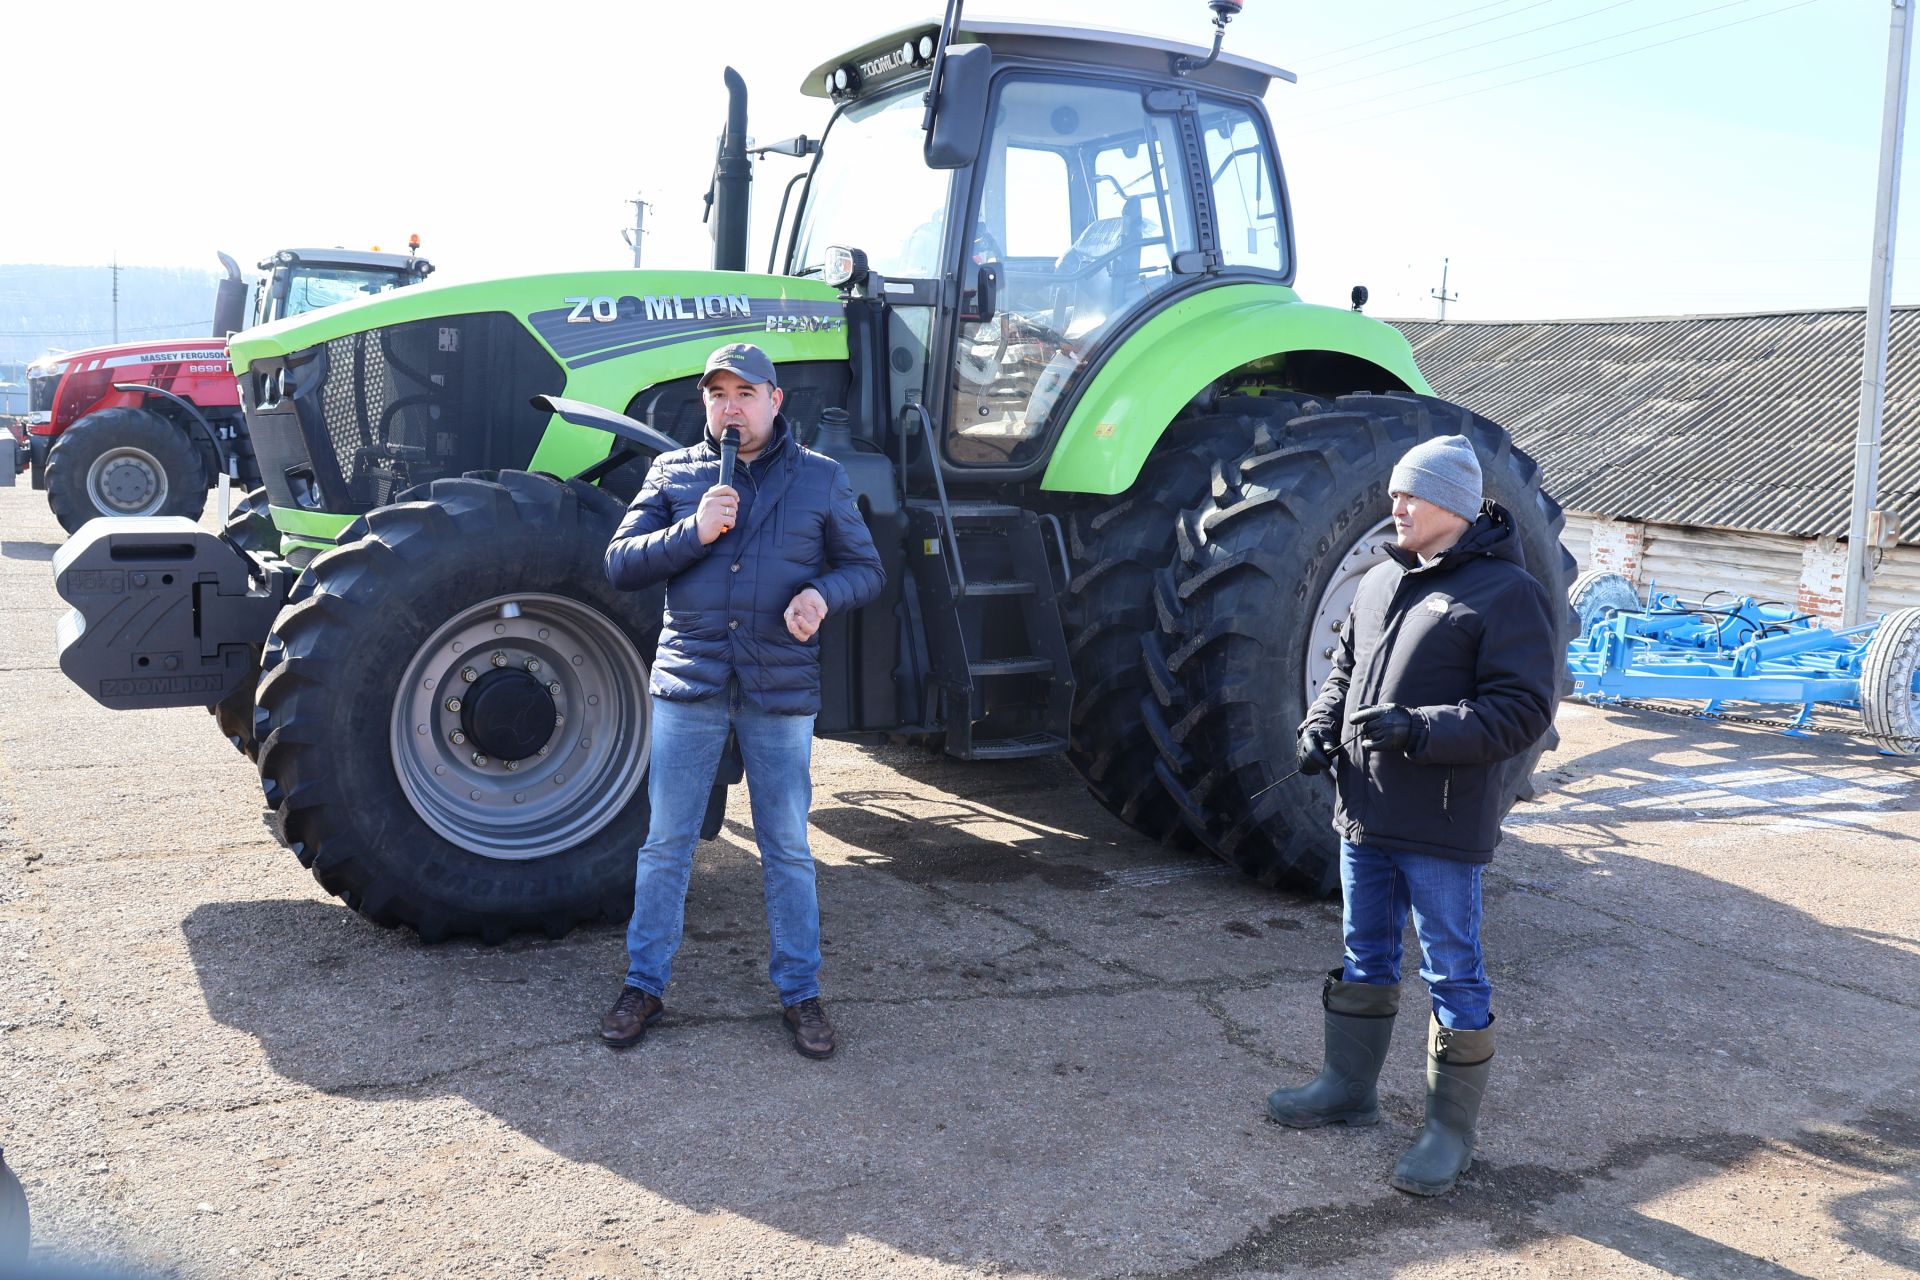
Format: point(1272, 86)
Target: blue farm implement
point(1729, 650)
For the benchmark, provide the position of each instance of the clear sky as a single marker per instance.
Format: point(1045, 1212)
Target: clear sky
point(1729, 167)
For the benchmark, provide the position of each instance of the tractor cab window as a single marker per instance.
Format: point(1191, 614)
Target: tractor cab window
point(870, 190)
point(1246, 199)
point(1079, 209)
point(310, 290)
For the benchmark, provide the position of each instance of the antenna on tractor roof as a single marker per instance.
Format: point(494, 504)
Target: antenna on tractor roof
point(1224, 11)
point(948, 26)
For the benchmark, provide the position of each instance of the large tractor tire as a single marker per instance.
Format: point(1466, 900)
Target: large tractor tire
point(124, 462)
point(455, 723)
point(1116, 548)
point(250, 528)
point(1251, 608)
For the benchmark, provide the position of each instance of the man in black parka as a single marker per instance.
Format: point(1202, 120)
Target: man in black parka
point(1445, 674)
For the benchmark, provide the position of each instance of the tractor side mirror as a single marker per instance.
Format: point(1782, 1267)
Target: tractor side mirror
point(960, 116)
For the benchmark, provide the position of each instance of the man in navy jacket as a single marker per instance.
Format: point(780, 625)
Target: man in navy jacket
point(752, 570)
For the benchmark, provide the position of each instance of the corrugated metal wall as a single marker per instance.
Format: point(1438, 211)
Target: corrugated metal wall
point(1578, 539)
point(1691, 563)
point(1897, 584)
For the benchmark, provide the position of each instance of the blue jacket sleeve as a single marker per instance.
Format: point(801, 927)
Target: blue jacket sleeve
point(650, 546)
point(853, 574)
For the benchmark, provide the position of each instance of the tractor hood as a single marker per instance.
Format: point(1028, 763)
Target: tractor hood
point(581, 317)
point(129, 355)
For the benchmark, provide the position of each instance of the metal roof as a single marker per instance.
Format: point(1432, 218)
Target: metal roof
point(1733, 422)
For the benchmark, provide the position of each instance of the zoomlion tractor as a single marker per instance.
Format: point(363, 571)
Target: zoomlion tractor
point(1123, 480)
point(146, 428)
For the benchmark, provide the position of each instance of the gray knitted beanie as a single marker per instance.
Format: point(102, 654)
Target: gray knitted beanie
point(1444, 471)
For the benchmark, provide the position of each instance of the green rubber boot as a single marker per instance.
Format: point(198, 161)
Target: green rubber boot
point(1458, 1063)
point(1359, 1023)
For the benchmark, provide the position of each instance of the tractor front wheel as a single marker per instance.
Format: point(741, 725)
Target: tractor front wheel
point(1252, 608)
point(124, 462)
point(456, 726)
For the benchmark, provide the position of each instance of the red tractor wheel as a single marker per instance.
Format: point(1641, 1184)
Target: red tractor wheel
point(124, 462)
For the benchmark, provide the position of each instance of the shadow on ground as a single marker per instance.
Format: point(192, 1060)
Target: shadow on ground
point(1044, 1072)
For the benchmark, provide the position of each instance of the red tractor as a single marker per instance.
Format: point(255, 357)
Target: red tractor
point(147, 428)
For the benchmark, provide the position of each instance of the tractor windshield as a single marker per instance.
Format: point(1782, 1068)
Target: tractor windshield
point(311, 288)
point(872, 191)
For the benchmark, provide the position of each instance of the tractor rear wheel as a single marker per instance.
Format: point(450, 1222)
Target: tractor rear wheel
point(1117, 547)
point(1251, 608)
point(124, 462)
point(456, 724)
point(250, 528)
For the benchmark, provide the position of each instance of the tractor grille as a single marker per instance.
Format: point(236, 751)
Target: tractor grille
point(402, 405)
point(40, 393)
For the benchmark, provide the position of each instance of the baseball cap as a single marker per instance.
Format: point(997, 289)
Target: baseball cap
point(743, 359)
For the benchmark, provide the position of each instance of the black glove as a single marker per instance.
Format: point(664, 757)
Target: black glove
point(1384, 727)
point(1314, 754)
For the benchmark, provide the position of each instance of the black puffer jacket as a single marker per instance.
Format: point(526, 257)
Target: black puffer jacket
point(1467, 644)
point(726, 600)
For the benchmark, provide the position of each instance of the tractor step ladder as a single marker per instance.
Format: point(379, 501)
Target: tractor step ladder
point(1002, 680)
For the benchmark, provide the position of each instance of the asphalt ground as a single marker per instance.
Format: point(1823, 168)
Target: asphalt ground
point(1057, 1036)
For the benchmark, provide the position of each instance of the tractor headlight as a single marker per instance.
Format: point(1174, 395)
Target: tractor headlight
point(843, 266)
point(926, 48)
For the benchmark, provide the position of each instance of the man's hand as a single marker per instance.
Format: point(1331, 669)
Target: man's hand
point(718, 508)
point(805, 613)
point(1384, 727)
point(1314, 754)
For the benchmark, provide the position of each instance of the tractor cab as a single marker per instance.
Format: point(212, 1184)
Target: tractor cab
point(1073, 181)
point(302, 280)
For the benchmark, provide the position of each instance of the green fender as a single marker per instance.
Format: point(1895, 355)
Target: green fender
point(1173, 357)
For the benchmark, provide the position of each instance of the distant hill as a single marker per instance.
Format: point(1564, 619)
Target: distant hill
point(55, 308)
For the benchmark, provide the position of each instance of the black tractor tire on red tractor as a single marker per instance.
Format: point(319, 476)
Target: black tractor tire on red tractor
point(124, 462)
point(1237, 605)
point(250, 528)
point(1117, 546)
point(359, 707)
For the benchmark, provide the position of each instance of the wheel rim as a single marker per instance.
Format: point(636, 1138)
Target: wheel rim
point(1330, 616)
point(580, 777)
point(126, 481)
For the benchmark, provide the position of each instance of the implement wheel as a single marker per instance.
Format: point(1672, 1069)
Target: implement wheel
point(124, 462)
point(1252, 605)
point(455, 722)
point(1889, 696)
point(1117, 546)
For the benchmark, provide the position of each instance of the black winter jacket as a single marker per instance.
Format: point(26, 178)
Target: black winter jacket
point(1467, 644)
point(726, 600)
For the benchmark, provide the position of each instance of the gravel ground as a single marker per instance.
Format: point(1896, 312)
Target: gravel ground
point(1057, 1037)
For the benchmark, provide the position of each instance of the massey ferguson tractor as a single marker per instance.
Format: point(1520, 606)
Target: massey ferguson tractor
point(147, 428)
point(1034, 296)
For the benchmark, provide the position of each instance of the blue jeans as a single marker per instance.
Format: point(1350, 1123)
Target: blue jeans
point(777, 751)
point(1380, 887)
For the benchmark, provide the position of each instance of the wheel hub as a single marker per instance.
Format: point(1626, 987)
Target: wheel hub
point(508, 714)
point(127, 481)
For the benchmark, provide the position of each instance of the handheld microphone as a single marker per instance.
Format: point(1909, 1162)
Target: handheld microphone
point(729, 450)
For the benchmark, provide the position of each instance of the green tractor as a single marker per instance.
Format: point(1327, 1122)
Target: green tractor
point(1034, 296)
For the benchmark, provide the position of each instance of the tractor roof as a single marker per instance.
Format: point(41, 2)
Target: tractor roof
point(341, 258)
point(1049, 42)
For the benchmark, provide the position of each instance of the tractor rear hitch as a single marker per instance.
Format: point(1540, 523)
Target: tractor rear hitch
point(164, 613)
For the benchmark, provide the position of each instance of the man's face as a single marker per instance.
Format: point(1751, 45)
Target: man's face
point(1423, 528)
point(732, 401)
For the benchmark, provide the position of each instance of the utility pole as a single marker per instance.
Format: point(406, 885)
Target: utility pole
point(632, 234)
point(1441, 293)
point(1873, 371)
point(116, 296)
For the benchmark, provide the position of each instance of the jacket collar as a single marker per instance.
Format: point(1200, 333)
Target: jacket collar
point(777, 445)
point(1493, 535)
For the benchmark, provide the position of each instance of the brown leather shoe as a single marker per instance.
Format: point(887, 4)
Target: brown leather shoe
point(812, 1033)
point(629, 1018)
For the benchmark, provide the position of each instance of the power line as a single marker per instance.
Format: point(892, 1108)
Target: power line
point(1454, 53)
point(89, 333)
point(1449, 31)
point(1402, 31)
point(1415, 106)
point(1550, 53)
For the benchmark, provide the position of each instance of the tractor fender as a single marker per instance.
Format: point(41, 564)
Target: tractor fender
point(1141, 384)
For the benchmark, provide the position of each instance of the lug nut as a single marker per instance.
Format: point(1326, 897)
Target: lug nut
point(453, 704)
point(553, 687)
point(512, 765)
point(479, 760)
point(458, 737)
point(558, 718)
point(544, 750)
point(533, 664)
point(469, 674)
point(498, 659)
